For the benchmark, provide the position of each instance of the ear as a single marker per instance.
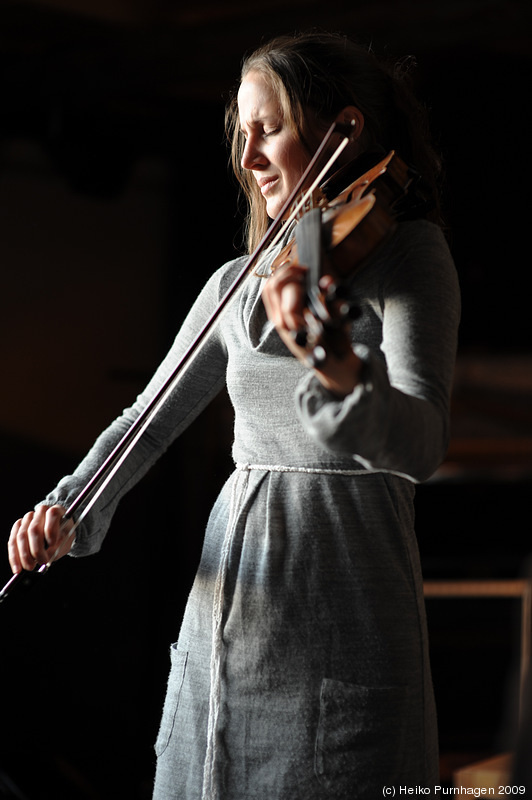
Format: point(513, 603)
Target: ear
point(350, 113)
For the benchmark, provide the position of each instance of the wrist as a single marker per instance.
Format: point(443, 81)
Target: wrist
point(340, 376)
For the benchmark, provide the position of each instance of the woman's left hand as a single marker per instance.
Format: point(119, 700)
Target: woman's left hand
point(284, 299)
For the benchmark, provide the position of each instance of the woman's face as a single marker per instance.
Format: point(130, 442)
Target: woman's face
point(272, 151)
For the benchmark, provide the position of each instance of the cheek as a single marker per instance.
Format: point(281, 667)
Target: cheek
point(294, 158)
point(295, 165)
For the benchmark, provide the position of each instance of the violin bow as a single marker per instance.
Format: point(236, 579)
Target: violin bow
point(89, 495)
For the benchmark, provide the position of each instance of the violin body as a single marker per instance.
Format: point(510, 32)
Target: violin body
point(358, 219)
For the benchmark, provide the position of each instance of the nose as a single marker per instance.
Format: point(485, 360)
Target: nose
point(252, 157)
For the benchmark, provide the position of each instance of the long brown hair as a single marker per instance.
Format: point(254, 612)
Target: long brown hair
point(322, 73)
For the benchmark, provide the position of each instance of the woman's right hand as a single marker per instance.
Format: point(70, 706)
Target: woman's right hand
point(39, 537)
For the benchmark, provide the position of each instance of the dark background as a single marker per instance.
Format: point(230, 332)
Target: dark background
point(116, 203)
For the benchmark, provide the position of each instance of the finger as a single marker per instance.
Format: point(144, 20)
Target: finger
point(326, 282)
point(52, 525)
point(57, 531)
point(284, 297)
point(36, 538)
point(291, 307)
point(19, 545)
point(12, 549)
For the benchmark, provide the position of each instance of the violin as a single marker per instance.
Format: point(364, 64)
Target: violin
point(338, 236)
point(337, 224)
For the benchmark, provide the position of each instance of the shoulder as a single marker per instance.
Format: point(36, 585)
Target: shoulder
point(224, 277)
point(417, 251)
point(412, 256)
point(421, 268)
point(423, 238)
point(413, 269)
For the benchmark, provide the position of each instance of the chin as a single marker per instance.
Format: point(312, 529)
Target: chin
point(272, 209)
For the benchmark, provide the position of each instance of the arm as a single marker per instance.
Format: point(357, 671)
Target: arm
point(199, 384)
point(396, 415)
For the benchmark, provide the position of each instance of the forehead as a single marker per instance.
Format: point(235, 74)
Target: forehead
point(257, 100)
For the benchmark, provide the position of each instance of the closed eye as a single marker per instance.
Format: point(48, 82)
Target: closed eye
point(263, 131)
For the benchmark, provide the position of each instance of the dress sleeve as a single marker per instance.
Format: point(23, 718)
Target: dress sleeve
point(197, 386)
point(397, 417)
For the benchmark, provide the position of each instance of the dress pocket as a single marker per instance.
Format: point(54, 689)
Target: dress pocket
point(178, 666)
point(361, 738)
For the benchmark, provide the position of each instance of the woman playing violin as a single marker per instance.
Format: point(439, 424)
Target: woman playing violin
point(301, 669)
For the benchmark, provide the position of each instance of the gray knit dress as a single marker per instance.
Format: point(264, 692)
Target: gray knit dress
point(301, 670)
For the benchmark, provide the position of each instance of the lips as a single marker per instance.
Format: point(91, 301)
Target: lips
point(265, 184)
